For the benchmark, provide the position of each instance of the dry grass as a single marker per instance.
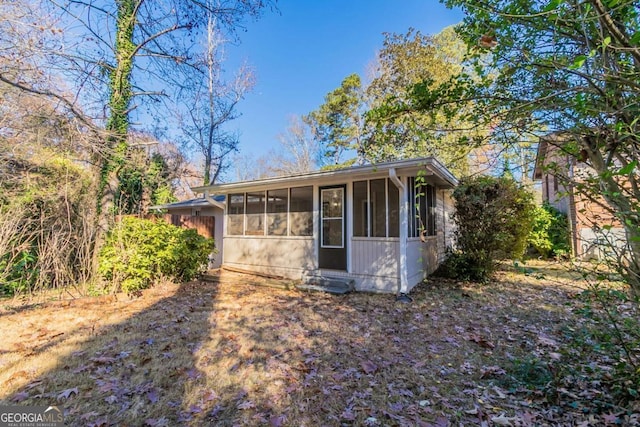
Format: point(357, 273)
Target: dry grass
point(231, 353)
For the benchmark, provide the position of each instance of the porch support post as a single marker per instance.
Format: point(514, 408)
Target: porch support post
point(404, 230)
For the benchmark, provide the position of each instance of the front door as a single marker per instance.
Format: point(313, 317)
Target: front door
point(332, 253)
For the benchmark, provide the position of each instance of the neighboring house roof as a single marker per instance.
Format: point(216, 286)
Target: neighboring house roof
point(199, 202)
point(555, 139)
point(542, 150)
point(436, 170)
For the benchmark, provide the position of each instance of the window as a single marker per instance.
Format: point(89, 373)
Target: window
point(255, 214)
point(235, 218)
point(546, 186)
point(332, 217)
point(422, 202)
point(376, 205)
point(360, 209)
point(301, 211)
point(277, 207)
point(394, 209)
point(273, 212)
point(378, 200)
point(431, 209)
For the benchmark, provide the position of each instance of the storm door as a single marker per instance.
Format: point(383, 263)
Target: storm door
point(332, 253)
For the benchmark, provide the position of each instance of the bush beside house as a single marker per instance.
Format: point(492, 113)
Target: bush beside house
point(138, 252)
point(494, 217)
point(549, 236)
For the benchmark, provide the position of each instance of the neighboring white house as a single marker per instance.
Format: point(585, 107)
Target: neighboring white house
point(386, 226)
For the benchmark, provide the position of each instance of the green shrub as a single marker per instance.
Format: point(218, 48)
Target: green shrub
point(550, 233)
point(493, 218)
point(137, 252)
point(18, 271)
point(464, 266)
point(606, 345)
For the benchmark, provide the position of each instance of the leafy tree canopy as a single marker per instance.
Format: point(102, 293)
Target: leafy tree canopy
point(337, 123)
point(404, 63)
point(376, 121)
point(557, 66)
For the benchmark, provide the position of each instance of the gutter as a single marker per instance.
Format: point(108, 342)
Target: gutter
point(429, 163)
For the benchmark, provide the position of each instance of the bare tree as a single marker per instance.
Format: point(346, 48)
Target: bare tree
point(298, 152)
point(247, 167)
point(117, 56)
point(210, 104)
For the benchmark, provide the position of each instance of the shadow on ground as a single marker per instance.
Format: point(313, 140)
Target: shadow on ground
point(107, 361)
point(233, 353)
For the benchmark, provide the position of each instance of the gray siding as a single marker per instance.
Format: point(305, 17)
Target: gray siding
point(282, 256)
point(422, 259)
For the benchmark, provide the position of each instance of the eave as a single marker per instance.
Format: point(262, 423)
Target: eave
point(432, 167)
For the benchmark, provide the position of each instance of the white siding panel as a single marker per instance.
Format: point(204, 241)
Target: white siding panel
point(422, 259)
point(415, 272)
point(430, 256)
point(375, 257)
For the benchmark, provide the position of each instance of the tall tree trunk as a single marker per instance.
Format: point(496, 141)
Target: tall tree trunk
point(119, 102)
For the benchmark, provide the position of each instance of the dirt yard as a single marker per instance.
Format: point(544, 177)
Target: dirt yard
point(235, 353)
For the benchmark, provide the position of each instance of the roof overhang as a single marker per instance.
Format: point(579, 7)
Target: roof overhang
point(429, 165)
point(546, 144)
point(199, 202)
point(537, 169)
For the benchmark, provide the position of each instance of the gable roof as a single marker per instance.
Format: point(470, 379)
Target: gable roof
point(430, 165)
point(542, 151)
point(547, 144)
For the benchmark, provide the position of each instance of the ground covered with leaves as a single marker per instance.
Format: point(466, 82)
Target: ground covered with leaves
point(235, 353)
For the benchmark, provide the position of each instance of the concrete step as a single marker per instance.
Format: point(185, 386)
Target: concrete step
point(332, 285)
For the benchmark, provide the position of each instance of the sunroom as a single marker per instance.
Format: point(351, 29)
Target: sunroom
point(383, 226)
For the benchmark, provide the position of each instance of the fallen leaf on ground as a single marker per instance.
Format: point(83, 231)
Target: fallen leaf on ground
point(20, 396)
point(369, 367)
point(502, 420)
point(247, 404)
point(65, 394)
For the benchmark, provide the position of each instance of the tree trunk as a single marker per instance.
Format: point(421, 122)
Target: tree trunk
point(119, 101)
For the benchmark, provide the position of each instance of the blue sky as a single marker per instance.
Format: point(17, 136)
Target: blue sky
point(306, 48)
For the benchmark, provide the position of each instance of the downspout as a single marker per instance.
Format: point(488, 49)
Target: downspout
point(219, 239)
point(208, 198)
point(213, 201)
point(403, 284)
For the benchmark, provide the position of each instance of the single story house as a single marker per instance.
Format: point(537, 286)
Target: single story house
point(593, 228)
point(383, 227)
